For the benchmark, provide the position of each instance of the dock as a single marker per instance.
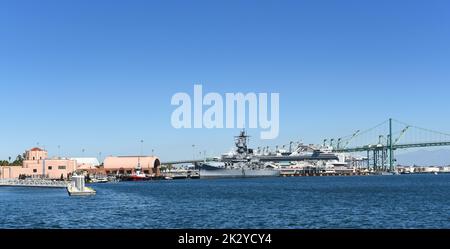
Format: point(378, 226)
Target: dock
point(77, 187)
point(38, 183)
point(181, 174)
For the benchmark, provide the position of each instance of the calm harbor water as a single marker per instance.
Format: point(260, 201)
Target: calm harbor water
point(406, 201)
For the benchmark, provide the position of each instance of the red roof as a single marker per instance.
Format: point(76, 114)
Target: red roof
point(36, 149)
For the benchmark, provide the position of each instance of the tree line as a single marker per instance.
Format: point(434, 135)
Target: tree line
point(17, 162)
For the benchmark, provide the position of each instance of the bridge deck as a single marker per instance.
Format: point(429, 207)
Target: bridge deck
point(397, 146)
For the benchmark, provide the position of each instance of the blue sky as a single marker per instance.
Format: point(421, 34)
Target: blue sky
point(100, 75)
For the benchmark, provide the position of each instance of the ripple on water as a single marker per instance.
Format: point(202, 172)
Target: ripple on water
point(416, 201)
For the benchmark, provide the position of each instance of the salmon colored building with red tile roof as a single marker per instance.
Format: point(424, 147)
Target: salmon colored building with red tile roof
point(37, 164)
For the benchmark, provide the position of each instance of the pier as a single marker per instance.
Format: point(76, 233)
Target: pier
point(39, 183)
point(300, 173)
point(181, 174)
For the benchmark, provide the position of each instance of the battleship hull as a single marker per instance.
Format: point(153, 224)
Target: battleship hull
point(237, 173)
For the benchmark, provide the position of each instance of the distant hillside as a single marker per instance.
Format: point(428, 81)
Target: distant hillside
point(423, 157)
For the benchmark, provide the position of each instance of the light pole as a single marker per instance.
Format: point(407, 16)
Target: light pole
point(139, 157)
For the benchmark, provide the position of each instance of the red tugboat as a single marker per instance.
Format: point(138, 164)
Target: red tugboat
point(138, 175)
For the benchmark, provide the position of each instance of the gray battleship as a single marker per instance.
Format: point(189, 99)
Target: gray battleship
point(244, 162)
point(240, 163)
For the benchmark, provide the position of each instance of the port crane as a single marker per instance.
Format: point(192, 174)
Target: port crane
point(381, 151)
point(348, 141)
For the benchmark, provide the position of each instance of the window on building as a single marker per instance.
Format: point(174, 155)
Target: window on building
point(50, 167)
point(34, 170)
point(62, 167)
point(34, 158)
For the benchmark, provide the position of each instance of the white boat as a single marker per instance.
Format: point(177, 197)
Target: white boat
point(99, 180)
point(384, 173)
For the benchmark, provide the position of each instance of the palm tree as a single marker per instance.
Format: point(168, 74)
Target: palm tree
point(18, 161)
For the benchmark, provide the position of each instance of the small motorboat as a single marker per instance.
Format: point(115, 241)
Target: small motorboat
point(99, 180)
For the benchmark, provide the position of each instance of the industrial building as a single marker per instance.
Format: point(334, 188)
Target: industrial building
point(113, 165)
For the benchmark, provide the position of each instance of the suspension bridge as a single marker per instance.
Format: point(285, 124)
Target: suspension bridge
point(381, 141)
